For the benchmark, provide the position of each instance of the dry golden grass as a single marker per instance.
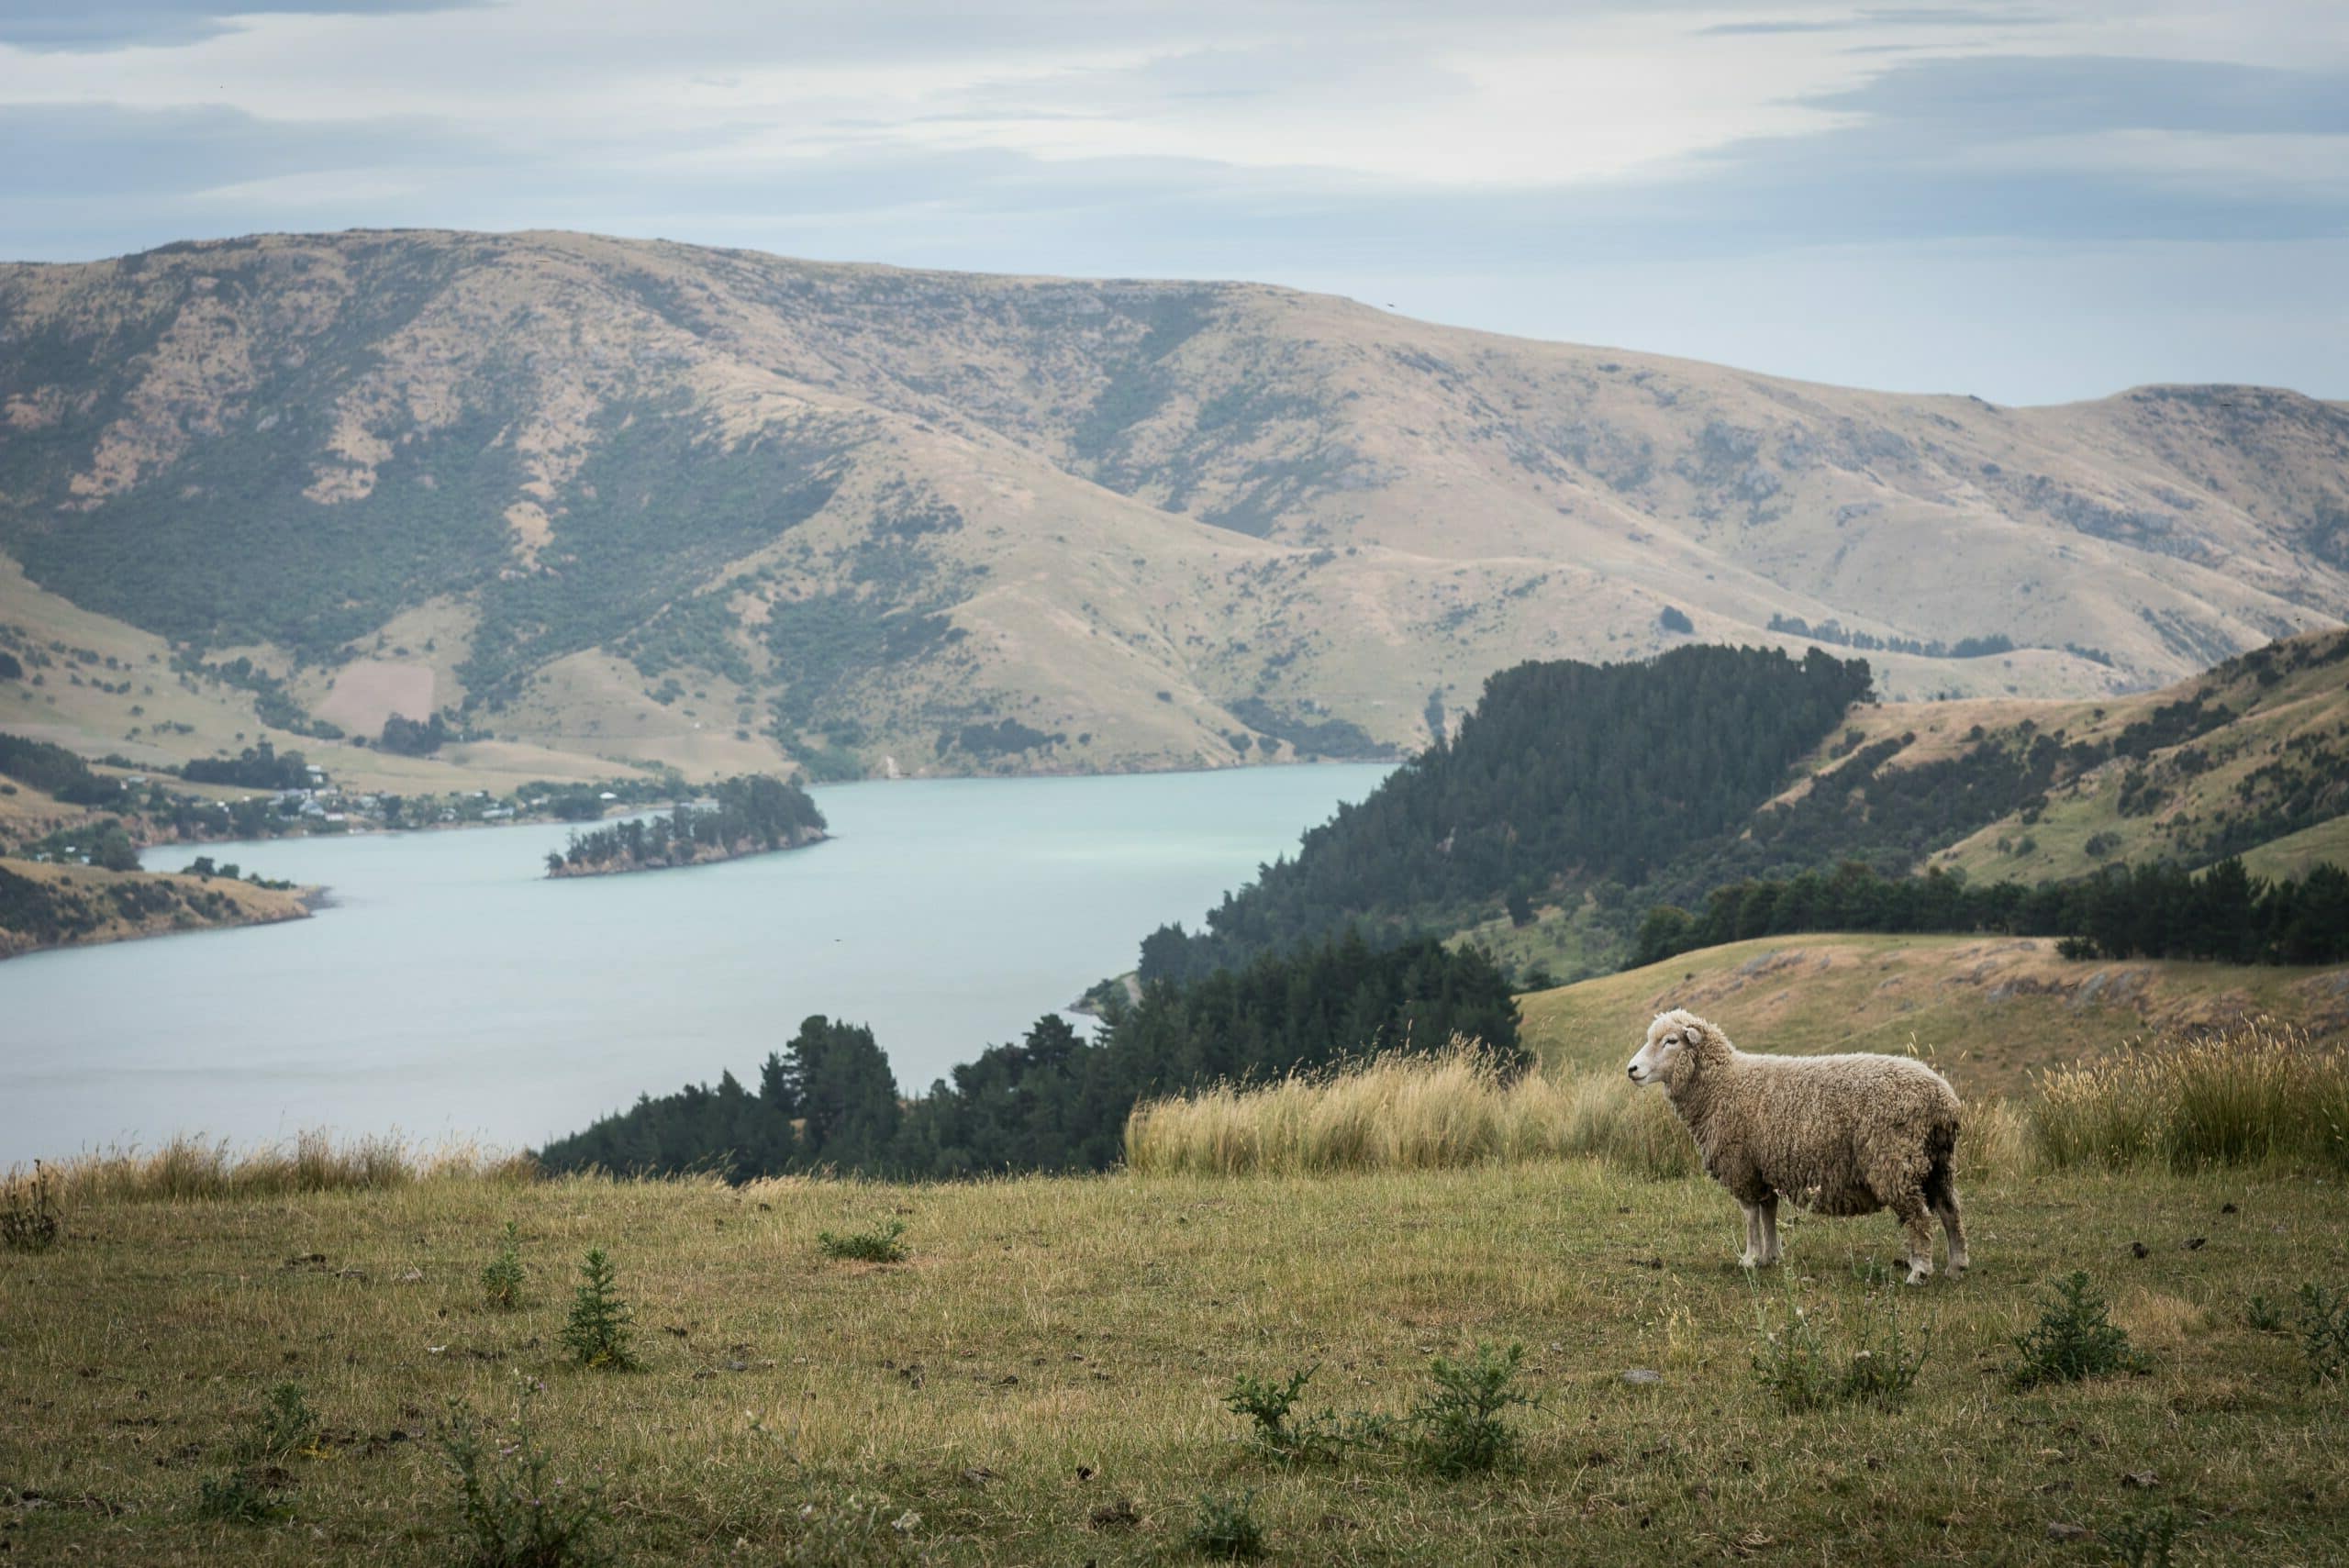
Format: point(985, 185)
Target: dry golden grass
point(2258, 1093)
point(1988, 1012)
point(1403, 1112)
point(192, 1169)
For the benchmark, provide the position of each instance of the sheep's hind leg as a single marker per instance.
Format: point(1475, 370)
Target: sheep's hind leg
point(1940, 1192)
point(1909, 1206)
point(1770, 1228)
point(1753, 1256)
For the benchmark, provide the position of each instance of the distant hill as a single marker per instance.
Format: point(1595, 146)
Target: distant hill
point(715, 507)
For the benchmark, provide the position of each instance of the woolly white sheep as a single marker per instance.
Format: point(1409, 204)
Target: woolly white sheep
point(1838, 1135)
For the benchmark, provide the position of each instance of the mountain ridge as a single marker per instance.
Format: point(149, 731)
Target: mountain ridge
point(865, 512)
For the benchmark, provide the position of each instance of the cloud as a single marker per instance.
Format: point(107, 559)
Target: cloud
point(2010, 96)
point(1294, 139)
point(89, 26)
point(96, 150)
point(1878, 20)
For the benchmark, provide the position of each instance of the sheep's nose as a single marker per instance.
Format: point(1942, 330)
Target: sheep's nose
point(1633, 1070)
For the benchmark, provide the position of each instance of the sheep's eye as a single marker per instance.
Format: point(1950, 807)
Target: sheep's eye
point(1672, 1040)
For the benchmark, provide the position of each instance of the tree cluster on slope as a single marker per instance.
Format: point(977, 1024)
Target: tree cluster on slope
point(755, 810)
point(2149, 911)
point(1564, 769)
point(56, 770)
point(1055, 1101)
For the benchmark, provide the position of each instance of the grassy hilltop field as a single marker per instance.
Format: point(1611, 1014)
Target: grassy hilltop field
point(1039, 1369)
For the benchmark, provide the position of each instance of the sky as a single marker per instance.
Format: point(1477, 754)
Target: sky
point(2031, 201)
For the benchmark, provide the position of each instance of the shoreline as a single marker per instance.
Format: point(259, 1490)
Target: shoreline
point(253, 905)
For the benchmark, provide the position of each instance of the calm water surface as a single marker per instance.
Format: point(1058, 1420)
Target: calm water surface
point(452, 990)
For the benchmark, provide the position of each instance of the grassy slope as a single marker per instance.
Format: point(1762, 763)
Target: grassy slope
point(2307, 706)
point(1987, 1010)
point(221, 718)
point(1057, 1346)
point(253, 905)
point(2294, 854)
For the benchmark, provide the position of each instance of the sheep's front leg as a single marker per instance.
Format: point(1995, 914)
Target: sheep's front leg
point(1753, 1257)
point(1770, 1228)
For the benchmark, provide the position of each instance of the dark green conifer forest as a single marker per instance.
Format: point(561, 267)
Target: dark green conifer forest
point(1055, 1101)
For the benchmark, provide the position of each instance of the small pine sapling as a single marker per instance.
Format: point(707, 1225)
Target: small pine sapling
point(600, 1330)
point(503, 1277)
point(1462, 1424)
point(2074, 1338)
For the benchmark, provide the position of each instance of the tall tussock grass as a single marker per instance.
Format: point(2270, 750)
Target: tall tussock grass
point(1405, 1112)
point(189, 1169)
point(2256, 1092)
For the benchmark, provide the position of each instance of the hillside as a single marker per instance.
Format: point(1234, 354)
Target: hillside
point(638, 499)
point(2251, 758)
point(1575, 799)
point(75, 906)
point(1987, 1011)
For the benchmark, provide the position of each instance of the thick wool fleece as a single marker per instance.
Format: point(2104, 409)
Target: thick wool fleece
point(1838, 1135)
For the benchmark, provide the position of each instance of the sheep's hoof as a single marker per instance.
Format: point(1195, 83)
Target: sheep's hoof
point(1748, 1260)
point(1918, 1276)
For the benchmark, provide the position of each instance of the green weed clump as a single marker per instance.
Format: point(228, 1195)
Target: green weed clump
point(503, 1276)
point(515, 1507)
point(2324, 1323)
point(2146, 1541)
point(856, 1531)
point(30, 1220)
point(1458, 1428)
point(1282, 1434)
point(600, 1327)
point(286, 1425)
point(882, 1244)
point(2258, 1093)
point(1462, 1425)
point(1226, 1528)
point(241, 1496)
point(2073, 1339)
point(1794, 1362)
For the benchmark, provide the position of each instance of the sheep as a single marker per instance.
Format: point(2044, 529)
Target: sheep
point(1839, 1135)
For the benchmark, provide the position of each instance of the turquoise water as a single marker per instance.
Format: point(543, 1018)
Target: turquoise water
point(452, 990)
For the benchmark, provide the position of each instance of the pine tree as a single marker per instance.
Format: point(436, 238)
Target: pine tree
point(598, 1331)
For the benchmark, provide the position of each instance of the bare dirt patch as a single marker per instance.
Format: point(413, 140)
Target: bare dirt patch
point(370, 691)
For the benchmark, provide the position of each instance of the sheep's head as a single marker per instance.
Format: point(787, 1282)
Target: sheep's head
point(1679, 1043)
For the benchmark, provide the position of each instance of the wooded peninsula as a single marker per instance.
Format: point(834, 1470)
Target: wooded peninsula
point(752, 813)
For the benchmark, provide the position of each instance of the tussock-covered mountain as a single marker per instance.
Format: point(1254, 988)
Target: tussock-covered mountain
point(652, 500)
